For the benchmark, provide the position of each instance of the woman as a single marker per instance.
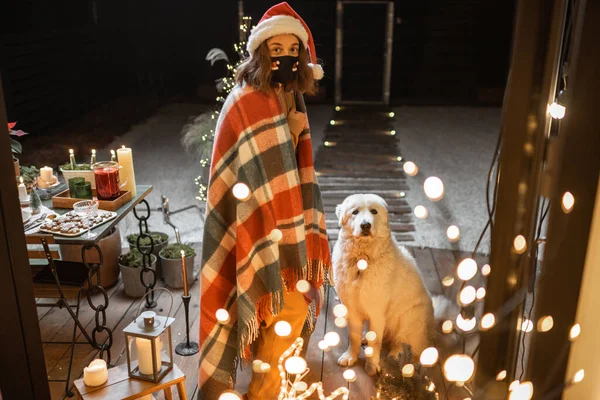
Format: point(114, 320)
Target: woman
point(265, 225)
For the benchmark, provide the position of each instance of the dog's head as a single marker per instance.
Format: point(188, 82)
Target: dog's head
point(364, 215)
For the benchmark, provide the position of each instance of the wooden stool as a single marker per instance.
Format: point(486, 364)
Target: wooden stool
point(120, 386)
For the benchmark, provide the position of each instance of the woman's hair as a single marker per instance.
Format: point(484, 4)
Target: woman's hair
point(256, 71)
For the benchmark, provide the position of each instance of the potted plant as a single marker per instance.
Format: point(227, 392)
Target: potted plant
point(15, 146)
point(170, 259)
point(160, 240)
point(30, 175)
point(84, 171)
point(130, 265)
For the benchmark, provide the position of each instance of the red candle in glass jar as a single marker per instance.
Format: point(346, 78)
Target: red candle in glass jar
point(107, 180)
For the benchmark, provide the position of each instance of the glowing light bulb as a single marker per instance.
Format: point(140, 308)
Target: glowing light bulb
point(486, 269)
point(332, 122)
point(520, 244)
point(467, 295)
point(256, 365)
point(523, 391)
point(332, 339)
point(568, 201)
point(392, 132)
point(276, 235)
point(283, 328)
point(466, 324)
point(399, 158)
point(545, 323)
point(575, 331)
point(338, 108)
point(341, 322)
point(303, 286)
point(421, 212)
point(230, 396)
point(434, 188)
point(467, 269)
point(349, 375)
point(431, 387)
point(265, 367)
point(556, 110)
point(301, 386)
point(513, 385)
point(391, 114)
point(241, 191)
point(487, 321)
point(222, 316)
point(480, 293)
point(447, 326)
point(429, 356)
point(578, 376)
point(408, 370)
point(329, 144)
point(453, 233)
point(526, 325)
point(459, 368)
point(371, 336)
point(447, 281)
point(295, 365)
point(323, 345)
point(362, 265)
point(501, 375)
point(369, 351)
point(340, 310)
point(410, 168)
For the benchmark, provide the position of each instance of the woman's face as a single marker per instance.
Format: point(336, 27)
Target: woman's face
point(283, 45)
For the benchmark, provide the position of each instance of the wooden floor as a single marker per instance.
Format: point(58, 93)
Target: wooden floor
point(56, 326)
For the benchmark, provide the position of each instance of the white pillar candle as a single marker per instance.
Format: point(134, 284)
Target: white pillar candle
point(46, 174)
point(22, 190)
point(126, 173)
point(96, 373)
point(144, 354)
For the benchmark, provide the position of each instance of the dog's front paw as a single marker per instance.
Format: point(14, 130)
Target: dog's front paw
point(347, 359)
point(372, 368)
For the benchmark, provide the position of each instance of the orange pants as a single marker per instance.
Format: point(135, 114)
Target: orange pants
point(270, 346)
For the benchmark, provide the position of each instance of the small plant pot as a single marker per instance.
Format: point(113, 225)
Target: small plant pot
point(131, 278)
point(86, 174)
point(173, 272)
point(157, 248)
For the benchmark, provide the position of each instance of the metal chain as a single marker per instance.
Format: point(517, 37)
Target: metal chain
point(146, 255)
point(102, 344)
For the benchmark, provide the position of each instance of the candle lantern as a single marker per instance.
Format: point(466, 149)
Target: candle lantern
point(149, 344)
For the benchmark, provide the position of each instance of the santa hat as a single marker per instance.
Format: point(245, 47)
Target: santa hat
point(282, 19)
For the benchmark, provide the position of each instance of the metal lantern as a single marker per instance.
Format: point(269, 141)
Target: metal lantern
point(149, 345)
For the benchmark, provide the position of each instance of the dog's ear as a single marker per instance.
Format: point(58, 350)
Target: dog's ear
point(341, 214)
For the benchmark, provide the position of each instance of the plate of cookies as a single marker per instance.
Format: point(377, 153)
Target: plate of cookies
point(72, 224)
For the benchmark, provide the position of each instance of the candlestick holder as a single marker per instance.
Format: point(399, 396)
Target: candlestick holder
point(186, 348)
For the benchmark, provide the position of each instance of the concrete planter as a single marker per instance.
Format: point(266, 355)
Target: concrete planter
point(173, 273)
point(86, 174)
point(157, 249)
point(131, 278)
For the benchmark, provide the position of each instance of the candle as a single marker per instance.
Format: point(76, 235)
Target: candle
point(93, 158)
point(185, 284)
point(46, 174)
point(126, 173)
point(96, 373)
point(22, 190)
point(113, 157)
point(72, 159)
point(144, 351)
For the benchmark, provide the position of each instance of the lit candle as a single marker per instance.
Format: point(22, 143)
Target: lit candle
point(126, 174)
point(96, 373)
point(144, 351)
point(93, 158)
point(46, 174)
point(113, 156)
point(72, 159)
point(22, 190)
point(185, 284)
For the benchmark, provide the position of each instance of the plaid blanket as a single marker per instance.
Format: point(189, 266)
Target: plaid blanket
point(243, 270)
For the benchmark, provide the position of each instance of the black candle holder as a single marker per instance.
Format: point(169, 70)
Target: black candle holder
point(186, 348)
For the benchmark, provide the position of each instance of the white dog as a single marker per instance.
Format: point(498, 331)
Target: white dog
point(389, 293)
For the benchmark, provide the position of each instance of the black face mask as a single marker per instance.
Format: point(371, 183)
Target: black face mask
point(284, 69)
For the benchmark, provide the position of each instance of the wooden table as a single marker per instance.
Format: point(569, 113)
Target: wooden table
point(120, 386)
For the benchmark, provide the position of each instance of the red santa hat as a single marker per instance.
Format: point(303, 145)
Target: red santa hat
point(282, 19)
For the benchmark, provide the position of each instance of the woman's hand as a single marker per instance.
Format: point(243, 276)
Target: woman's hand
point(296, 123)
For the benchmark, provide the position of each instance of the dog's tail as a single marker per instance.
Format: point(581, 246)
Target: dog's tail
point(444, 308)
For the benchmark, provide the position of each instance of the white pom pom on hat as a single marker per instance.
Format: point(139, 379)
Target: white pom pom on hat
point(281, 19)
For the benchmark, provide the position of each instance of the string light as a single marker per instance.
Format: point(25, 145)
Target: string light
point(369, 351)
point(362, 265)
point(526, 325)
point(371, 336)
point(545, 323)
point(466, 324)
point(520, 244)
point(323, 345)
point(447, 326)
point(480, 293)
point(341, 322)
point(429, 356)
point(513, 385)
point(408, 370)
point(579, 375)
point(459, 368)
point(448, 281)
point(338, 108)
point(568, 201)
point(486, 269)
point(421, 212)
point(241, 191)
point(295, 365)
point(276, 235)
point(467, 269)
point(434, 188)
point(575, 331)
point(332, 339)
point(256, 364)
point(229, 395)
point(340, 311)
point(265, 367)
point(556, 110)
point(303, 286)
point(523, 391)
point(391, 114)
point(222, 316)
point(332, 122)
point(283, 328)
point(488, 321)
point(501, 375)
point(349, 375)
point(392, 132)
point(453, 233)
point(467, 295)
point(410, 168)
point(399, 158)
